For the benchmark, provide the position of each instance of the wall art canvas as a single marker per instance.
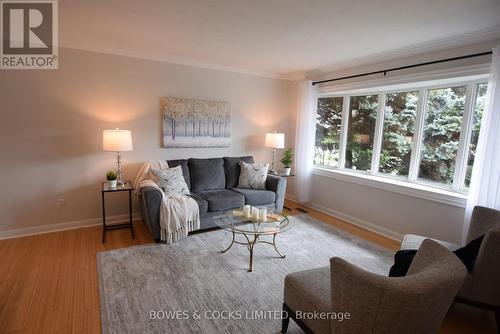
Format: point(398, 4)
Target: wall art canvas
point(195, 123)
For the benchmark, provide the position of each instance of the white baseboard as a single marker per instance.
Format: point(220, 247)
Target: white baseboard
point(353, 220)
point(26, 231)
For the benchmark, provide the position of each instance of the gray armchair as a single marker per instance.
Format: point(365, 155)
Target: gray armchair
point(482, 287)
point(416, 303)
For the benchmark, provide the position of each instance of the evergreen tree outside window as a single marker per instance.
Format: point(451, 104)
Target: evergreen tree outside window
point(476, 126)
point(418, 134)
point(328, 127)
point(443, 123)
point(360, 135)
point(399, 129)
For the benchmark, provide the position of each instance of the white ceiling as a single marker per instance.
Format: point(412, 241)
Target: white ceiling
point(268, 37)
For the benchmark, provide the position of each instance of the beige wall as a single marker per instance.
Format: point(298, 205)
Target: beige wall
point(52, 124)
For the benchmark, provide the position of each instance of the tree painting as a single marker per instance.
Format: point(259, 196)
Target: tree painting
point(195, 123)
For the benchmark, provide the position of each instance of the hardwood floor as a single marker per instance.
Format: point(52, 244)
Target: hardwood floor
point(48, 282)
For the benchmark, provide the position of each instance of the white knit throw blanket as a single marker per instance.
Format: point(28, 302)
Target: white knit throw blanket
point(178, 214)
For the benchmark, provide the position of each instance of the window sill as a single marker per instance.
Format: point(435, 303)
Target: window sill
point(402, 187)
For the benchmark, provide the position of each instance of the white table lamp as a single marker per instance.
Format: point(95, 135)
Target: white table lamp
point(117, 141)
point(275, 140)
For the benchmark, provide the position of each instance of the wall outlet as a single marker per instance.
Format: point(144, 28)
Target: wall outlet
point(60, 203)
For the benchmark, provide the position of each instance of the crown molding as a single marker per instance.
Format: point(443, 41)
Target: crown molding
point(464, 40)
point(469, 39)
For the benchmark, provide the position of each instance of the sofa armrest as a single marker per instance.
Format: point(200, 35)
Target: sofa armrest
point(277, 184)
point(151, 201)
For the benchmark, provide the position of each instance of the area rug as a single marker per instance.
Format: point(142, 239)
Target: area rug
point(190, 287)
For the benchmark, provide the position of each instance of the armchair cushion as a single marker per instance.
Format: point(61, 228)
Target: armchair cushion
point(309, 291)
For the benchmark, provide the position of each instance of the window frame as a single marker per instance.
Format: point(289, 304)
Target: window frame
point(471, 83)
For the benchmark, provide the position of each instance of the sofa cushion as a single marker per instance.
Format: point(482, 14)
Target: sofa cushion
point(232, 169)
point(256, 197)
point(170, 180)
point(185, 170)
point(207, 174)
point(253, 176)
point(222, 199)
point(202, 204)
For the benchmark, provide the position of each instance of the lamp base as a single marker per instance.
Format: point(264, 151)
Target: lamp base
point(119, 179)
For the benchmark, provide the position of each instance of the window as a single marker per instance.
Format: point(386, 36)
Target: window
point(476, 126)
point(328, 127)
point(443, 123)
point(362, 118)
point(426, 134)
point(399, 129)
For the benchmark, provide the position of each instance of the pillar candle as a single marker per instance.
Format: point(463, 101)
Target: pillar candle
point(263, 214)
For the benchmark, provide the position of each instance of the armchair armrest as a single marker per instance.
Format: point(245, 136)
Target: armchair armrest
point(277, 184)
point(151, 201)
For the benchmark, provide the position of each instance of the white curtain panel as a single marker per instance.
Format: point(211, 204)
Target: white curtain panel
point(305, 135)
point(485, 182)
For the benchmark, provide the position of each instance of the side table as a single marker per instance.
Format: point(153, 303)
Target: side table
point(106, 189)
point(281, 174)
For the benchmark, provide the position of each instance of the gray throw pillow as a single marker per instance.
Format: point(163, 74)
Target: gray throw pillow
point(253, 176)
point(170, 180)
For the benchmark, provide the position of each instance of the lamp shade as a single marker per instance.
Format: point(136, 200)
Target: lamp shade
point(117, 140)
point(275, 140)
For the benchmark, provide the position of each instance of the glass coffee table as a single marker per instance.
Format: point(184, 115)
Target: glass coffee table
point(253, 230)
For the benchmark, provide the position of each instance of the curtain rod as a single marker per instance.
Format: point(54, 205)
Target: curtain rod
point(404, 67)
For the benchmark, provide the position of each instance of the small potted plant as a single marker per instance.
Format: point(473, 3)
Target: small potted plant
point(111, 177)
point(286, 160)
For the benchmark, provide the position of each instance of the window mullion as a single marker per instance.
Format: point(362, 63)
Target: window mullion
point(343, 132)
point(379, 131)
point(418, 136)
point(465, 134)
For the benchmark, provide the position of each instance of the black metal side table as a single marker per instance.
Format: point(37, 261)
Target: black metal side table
point(106, 189)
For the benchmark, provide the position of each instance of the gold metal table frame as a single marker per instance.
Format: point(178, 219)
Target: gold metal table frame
point(253, 237)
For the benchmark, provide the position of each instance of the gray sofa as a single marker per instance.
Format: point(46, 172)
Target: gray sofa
point(214, 186)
